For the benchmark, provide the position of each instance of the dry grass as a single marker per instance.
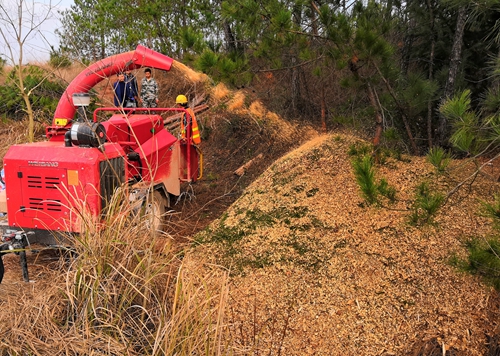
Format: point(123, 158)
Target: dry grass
point(192, 75)
point(257, 109)
point(118, 295)
point(16, 132)
point(237, 103)
point(220, 91)
point(66, 74)
point(126, 293)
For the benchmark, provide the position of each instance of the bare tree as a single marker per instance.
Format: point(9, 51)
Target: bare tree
point(20, 22)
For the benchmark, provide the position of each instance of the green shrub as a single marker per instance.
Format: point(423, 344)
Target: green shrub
point(484, 259)
point(484, 253)
point(492, 211)
point(58, 59)
point(370, 189)
point(386, 190)
point(426, 204)
point(439, 158)
point(359, 150)
point(365, 177)
point(45, 95)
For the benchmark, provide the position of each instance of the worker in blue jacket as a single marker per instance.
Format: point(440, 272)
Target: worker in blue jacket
point(124, 95)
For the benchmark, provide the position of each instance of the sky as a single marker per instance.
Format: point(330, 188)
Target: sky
point(44, 13)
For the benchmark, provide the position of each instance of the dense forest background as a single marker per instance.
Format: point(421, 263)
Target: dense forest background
point(411, 74)
point(386, 66)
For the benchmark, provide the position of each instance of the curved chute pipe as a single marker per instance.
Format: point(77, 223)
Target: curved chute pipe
point(95, 73)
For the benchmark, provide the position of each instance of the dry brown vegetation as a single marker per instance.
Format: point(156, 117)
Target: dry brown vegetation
point(284, 260)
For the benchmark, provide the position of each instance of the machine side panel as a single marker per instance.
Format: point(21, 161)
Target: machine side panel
point(134, 129)
point(144, 127)
point(49, 186)
point(160, 161)
point(42, 192)
point(117, 129)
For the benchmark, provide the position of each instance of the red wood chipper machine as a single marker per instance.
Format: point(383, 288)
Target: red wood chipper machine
point(83, 161)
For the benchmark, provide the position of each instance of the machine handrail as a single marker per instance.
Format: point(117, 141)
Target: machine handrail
point(133, 110)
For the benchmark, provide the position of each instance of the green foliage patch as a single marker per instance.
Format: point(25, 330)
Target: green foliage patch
point(439, 158)
point(45, 92)
point(483, 259)
point(59, 59)
point(371, 190)
point(426, 204)
point(484, 252)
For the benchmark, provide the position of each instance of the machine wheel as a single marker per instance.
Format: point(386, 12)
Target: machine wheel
point(3, 247)
point(1, 269)
point(154, 212)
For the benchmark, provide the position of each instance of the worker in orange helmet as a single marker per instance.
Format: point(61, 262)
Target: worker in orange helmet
point(182, 101)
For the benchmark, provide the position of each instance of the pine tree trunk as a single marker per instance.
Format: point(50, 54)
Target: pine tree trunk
point(456, 52)
point(431, 72)
point(455, 59)
point(295, 86)
point(401, 110)
point(230, 41)
point(407, 45)
point(297, 19)
point(378, 120)
point(323, 109)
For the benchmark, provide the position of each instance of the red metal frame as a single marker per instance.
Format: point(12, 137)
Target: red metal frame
point(189, 154)
point(50, 184)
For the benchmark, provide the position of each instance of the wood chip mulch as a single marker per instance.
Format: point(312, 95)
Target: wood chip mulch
point(316, 271)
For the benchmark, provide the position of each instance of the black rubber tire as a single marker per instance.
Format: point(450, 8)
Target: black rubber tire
point(155, 210)
point(2, 269)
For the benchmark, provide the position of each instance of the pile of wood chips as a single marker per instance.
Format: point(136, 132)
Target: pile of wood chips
point(317, 271)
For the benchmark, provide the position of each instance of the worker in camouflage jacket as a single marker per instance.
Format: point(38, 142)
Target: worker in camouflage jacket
point(149, 90)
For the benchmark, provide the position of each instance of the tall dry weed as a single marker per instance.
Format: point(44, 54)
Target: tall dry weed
point(191, 74)
point(220, 91)
point(237, 104)
point(16, 132)
point(120, 295)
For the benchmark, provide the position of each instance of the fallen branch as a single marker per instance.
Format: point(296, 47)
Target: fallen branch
point(196, 110)
point(240, 171)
